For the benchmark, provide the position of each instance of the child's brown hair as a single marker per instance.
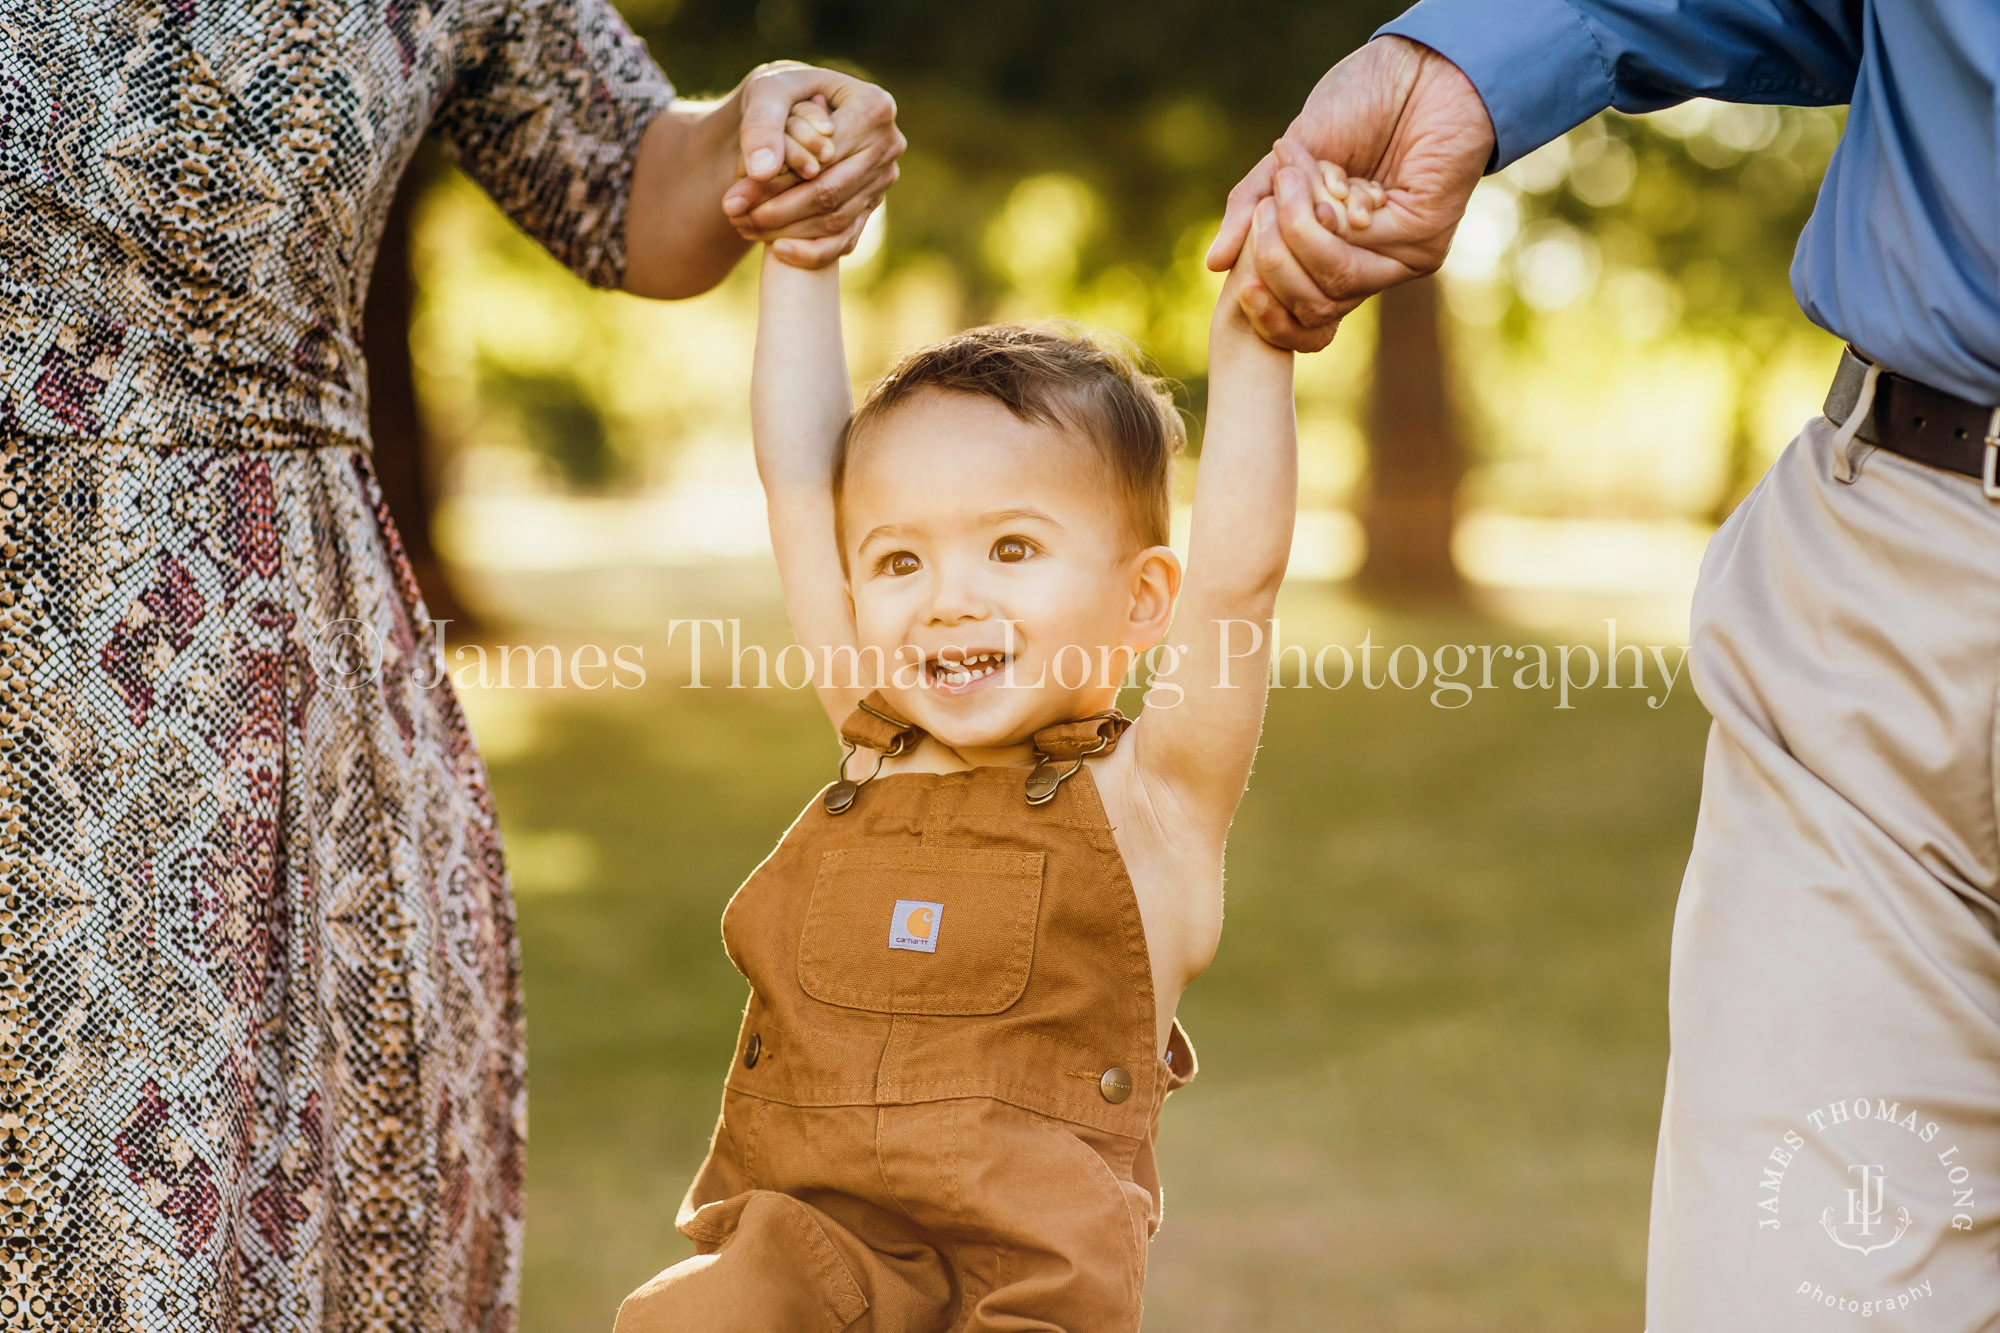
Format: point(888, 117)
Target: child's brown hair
point(1052, 375)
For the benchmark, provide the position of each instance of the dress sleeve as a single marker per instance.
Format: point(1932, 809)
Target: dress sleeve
point(546, 112)
point(1546, 66)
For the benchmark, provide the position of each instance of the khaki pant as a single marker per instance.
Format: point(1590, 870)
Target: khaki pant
point(1830, 1145)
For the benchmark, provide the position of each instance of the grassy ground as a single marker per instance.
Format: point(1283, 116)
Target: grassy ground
point(1431, 1048)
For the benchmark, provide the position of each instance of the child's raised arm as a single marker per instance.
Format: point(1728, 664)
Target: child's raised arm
point(1194, 750)
point(799, 403)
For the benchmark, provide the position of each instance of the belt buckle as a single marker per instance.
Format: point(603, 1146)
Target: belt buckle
point(1991, 476)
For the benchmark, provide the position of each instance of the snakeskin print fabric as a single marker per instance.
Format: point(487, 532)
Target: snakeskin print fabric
point(261, 1044)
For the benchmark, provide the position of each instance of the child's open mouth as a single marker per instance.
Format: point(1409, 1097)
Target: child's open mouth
point(958, 674)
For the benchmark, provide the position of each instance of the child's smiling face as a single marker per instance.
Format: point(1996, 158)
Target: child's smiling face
point(979, 541)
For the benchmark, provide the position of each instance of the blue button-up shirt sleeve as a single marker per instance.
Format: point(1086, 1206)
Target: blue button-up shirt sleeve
point(1545, 66)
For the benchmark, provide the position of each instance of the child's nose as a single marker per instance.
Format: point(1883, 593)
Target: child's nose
point(957, 596)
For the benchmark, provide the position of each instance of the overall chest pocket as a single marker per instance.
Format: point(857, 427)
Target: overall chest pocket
point(921, 930)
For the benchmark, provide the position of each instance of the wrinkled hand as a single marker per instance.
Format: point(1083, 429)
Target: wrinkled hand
point(1322, 206)
point(812, 213)
point(1393, 111)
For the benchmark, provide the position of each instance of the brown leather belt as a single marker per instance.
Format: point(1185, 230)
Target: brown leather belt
point(1920, 422)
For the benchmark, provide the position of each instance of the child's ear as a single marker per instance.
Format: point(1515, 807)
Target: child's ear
point(1156, 583)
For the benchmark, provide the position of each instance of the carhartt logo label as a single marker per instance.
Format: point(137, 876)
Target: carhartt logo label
point(914, 925)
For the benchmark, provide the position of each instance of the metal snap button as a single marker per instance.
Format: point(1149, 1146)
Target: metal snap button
point(1042, 783)
point(1116, 1085)
point(754, 1049)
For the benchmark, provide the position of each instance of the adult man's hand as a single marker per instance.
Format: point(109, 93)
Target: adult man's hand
point(822, 218)
point(1396, 112)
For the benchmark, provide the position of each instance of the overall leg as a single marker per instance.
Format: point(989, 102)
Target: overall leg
point(777, 1264)
point(792, 1236)
point(1045, 1227)
point(1830, 1142)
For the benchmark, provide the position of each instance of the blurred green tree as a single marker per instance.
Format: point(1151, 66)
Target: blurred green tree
point(1710, 198)
point(1158, 106)
point(1156, 109)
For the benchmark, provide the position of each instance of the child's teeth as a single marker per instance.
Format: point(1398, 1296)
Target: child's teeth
point(969, 669)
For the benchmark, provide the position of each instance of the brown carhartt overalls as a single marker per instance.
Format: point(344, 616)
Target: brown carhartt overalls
point(942, 1107)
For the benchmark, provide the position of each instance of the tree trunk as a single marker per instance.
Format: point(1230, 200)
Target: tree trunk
point(402, 447)
point(1415, 455)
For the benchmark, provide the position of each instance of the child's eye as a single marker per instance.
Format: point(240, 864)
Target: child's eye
point(896, 564)
point(1008, 550)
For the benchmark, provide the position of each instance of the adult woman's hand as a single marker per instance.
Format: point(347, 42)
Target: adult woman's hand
point(1396, 112)
point(818, 220)
point(711, 179)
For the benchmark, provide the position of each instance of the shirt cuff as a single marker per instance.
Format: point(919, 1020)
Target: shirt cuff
point(1534, 63)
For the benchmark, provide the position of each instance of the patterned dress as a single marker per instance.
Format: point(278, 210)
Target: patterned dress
point(261, 1046)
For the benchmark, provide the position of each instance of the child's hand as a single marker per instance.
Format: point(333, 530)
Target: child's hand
point(1342, 203)
point(809, 138)
point(809, 150)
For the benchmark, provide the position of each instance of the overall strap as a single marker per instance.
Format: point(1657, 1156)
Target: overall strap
point(873, 725)
point(1061, 749)
point(1071, 743)
point(1097, 734)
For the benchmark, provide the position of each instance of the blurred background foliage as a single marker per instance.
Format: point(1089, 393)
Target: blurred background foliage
point(1432, 1046)
point(1617, 336)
